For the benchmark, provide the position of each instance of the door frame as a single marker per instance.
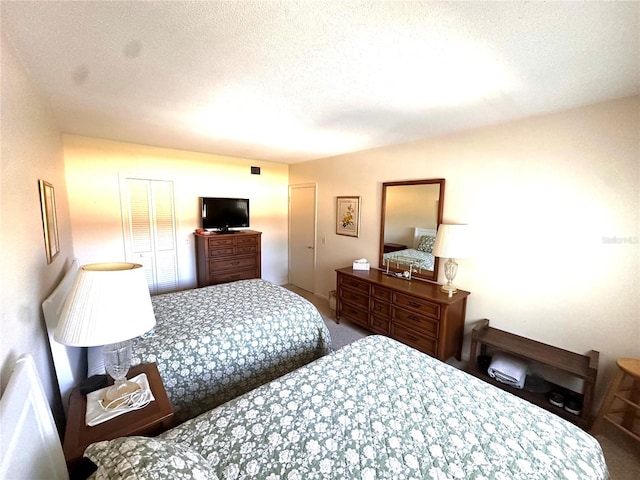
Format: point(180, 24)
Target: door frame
point(315, 229)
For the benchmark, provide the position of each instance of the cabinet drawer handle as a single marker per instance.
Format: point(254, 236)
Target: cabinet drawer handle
point(411, 337)
point(414, 304)
point(414, 318)
point(235, 263)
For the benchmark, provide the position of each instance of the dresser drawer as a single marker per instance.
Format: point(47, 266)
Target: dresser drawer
point(353, 284)
point(355, 298)
point(221, 251)
point(415, 321)
point(220, 242)
point(232, 263)
point(425, 307)
point(247, 241)
point(355, 314)
point(232, 276)
point(414, 339)
point(381, 308)
point(380, 324)
point(383, 294)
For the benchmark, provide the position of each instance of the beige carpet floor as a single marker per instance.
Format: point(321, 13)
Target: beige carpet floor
point(621, 452)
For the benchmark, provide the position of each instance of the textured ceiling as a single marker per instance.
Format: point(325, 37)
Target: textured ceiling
point(290, 81)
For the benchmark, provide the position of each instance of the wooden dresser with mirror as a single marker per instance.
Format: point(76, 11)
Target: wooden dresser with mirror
point(416, 311)
point(413, 312)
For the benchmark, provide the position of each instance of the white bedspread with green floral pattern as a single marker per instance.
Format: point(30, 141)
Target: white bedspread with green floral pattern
point(212, 344)
point(376, 409)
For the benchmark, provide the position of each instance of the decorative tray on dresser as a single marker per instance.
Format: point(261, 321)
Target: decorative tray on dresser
point(413, 312)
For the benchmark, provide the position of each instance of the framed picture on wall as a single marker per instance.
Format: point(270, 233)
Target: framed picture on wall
point(348, 216)
point(49, 220)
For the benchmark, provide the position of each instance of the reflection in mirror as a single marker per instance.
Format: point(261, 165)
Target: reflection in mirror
point(411, 213)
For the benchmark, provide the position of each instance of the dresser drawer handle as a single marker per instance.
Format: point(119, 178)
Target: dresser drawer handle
point(414, 304)
point(411, 337)
point(235, 263)
point(414, 318)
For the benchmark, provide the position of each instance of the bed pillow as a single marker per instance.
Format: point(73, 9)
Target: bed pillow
point(426, 243)
point(146, 458)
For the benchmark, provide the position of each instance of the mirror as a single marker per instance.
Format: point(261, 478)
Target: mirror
point(411, 213)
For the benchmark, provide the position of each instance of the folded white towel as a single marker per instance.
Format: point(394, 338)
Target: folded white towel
point(96, 413)
point(508, 369)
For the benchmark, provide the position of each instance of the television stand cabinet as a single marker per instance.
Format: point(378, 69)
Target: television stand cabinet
point(227, 257)
point(583, 367)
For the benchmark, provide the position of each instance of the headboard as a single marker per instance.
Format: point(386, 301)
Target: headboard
point(70, 363)
point(419, 232)
point(30, 446)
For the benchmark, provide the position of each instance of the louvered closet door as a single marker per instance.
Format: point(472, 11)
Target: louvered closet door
point(150, 237)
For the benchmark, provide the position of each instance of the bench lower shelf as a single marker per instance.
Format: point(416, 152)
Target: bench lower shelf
point(540, 399)
point(569, 364)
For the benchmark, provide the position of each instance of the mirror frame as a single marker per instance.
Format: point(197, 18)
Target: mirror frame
point(432, 276)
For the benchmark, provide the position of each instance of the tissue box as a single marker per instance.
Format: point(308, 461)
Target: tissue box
point(360, 265)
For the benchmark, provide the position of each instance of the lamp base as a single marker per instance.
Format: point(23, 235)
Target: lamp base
point(449, 289)
point(119, 393)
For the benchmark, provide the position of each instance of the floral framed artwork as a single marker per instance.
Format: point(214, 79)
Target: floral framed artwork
point(49, 220)
point(348, 216)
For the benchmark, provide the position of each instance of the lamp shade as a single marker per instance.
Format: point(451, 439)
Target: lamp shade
point(108, 303)
point(452, 241)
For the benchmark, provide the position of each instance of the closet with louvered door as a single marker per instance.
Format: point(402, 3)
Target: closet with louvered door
point(150, 230)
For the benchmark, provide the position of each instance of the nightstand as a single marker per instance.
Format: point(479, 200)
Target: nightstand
point(148, 421)
point(393, 247)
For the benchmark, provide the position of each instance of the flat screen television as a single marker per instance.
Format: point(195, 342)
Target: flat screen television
point(223, 214)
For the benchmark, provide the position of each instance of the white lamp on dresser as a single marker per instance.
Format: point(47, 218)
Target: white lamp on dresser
point(452, 241)
point(109, 304)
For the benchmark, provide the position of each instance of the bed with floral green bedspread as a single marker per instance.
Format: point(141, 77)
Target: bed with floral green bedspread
point(212, 344)
point(376, 409)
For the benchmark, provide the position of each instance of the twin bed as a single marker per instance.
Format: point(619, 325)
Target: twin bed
point(419, 254)
point(375, 409)
point(211, 344)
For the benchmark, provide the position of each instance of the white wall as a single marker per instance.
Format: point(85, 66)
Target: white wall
point(31, 150)
point(544, 195)
point(93, 170)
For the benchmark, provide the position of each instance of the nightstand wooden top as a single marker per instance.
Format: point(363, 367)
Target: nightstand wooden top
point(151, 419)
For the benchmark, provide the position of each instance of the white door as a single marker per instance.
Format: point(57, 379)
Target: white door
point(302, 235)
point(150, 231)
